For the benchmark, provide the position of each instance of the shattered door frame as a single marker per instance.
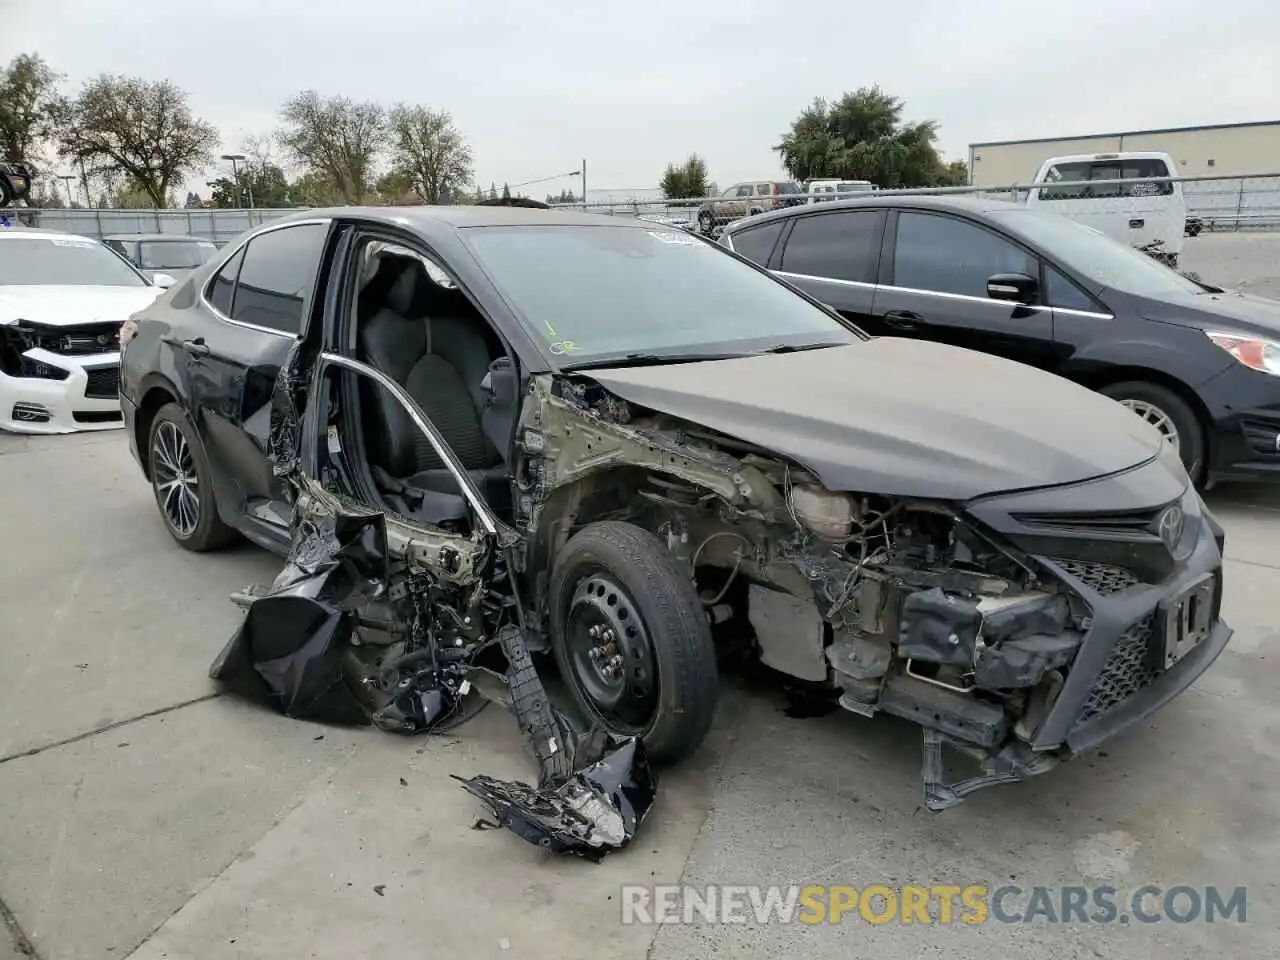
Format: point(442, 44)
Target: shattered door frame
point(452, 557)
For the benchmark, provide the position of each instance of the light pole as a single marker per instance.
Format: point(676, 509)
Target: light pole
point(235, 159)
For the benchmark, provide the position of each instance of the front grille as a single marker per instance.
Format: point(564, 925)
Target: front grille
point(104, 383)
point(1114, 522)
point(1102, 578)
point(97, 416)
point(1127, 670)
point(83, 339)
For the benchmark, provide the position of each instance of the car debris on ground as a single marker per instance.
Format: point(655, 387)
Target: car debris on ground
point(301, 649)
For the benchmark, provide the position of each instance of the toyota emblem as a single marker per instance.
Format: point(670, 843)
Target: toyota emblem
point(1169, 525)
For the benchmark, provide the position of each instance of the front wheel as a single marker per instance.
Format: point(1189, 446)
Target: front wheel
point(632, 639)
point(1168, 413)
point(182, 482)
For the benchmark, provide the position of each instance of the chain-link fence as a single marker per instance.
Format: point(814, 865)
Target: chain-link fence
point(216, 225)
point(1213, 203)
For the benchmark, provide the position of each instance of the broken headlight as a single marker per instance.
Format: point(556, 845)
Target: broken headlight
point(15, 340)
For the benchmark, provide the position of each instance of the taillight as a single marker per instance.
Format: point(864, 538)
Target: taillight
point(127, 331)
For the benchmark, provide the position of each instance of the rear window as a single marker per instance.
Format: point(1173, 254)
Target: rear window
point(1074, 179)
point(789, 188)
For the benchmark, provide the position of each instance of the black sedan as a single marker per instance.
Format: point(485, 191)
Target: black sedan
point(602, 438)
point(1201, 363)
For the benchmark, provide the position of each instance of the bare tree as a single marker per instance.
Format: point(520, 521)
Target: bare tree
point(140, 131)
point(29, 107)
point(429, 150)
point(335, 138)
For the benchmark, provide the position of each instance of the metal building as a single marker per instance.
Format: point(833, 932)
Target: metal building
point(1225, 149)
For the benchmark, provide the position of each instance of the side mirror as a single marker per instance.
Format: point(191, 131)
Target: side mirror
point(163, 280)
point(1013, 287)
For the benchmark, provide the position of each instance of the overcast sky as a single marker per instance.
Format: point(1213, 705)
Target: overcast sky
point(536, 86)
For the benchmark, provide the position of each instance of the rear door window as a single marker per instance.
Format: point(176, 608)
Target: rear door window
point(280, 267)
point(838, 246)
point(947, 255)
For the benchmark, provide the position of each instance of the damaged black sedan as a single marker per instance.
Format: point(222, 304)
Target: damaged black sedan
point(622, 445)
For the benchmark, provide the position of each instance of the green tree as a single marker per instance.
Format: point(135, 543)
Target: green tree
point(689, 179)
point(30, 106)
point(493, 192)
point(314, 190)
point(140, 131)
point(337, 139)
point(862, 137)
point(193, 201)
point(132, 197)
point(506, 192)
point(429, 150)
point(393, 187)
point(955, 174)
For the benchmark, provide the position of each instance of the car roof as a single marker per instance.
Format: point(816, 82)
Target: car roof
point(879, 200)
point(41, 232)
point(1113, 155)
point(446, 219)
point(152, 237)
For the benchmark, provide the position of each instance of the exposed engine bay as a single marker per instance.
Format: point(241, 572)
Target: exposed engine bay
point(896, 606)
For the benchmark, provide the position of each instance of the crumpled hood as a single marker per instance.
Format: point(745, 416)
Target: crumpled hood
point(902, 417)
point(72, 304)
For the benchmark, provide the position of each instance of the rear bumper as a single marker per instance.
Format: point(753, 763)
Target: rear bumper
point(129, 412)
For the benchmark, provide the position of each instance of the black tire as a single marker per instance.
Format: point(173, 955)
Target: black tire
point(706, 223)
point(208, 531)
point(1191, 438)
point(661, 595)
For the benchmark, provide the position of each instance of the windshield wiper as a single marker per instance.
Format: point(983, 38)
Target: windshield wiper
point(796, 348)
point(648, 360)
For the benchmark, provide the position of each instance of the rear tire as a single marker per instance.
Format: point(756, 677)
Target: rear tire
point(618, 583)
point(1165, 410)
point(182, 482)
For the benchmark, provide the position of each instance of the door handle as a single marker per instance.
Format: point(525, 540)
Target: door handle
point(903, 319)
point(196, 347)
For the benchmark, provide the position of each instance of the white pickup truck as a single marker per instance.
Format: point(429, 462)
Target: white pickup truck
point(1151, 216)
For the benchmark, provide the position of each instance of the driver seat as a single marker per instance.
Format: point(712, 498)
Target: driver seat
point(442, 370)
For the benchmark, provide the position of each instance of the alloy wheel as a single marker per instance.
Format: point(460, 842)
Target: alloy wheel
point(173, 472)
point(611, 653)
point(1156, 417)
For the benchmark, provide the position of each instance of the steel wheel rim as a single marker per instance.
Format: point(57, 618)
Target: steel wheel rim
point(1157, 418)
point(173, 475)
point(611, 655)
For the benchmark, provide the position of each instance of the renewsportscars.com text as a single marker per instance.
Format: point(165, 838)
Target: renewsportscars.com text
point(936, 904)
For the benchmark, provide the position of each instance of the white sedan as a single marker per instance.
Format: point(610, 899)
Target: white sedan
point(62, 301)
